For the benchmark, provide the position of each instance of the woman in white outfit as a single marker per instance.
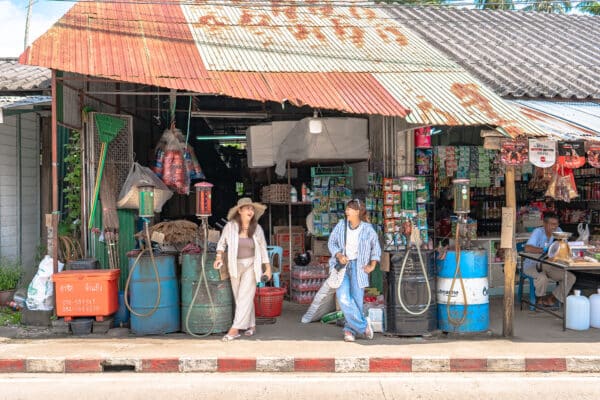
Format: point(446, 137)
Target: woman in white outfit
point(246, 248)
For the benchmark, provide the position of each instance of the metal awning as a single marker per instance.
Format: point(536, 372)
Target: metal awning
point(563, 120)
point(352, 57)
point(9, 104)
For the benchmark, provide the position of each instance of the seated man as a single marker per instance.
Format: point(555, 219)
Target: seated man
point(540, 240)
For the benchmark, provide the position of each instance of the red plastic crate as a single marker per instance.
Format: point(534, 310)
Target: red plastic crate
point(86, 293)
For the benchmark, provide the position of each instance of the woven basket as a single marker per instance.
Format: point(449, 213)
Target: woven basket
point(276, 193)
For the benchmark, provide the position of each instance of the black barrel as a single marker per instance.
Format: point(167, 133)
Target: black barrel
point(414, 295)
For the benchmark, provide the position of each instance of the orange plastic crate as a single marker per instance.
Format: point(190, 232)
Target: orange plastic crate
point(86, 293)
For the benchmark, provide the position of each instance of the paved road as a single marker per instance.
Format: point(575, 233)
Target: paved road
point(134, 386)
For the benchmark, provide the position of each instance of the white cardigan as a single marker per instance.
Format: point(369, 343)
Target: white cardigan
point(230, 239)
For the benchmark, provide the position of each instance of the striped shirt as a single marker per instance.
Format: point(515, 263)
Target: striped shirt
point(368, 248)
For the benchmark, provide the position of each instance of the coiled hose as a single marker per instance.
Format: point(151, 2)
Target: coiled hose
point(135, 264)
point(202, 277)
point(417, 243)
point(457, 274)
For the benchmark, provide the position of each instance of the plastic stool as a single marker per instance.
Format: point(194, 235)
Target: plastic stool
point(273, 251)
point(522, 277)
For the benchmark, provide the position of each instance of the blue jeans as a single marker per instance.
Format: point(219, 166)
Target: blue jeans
point(351, 296)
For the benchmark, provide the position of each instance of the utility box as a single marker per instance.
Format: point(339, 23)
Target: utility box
point(86, 293)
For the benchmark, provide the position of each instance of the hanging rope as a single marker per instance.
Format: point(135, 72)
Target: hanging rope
point(457, 274)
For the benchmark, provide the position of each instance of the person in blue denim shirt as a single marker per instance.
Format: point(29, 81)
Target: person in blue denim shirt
point(360, 251)
point(539, 242)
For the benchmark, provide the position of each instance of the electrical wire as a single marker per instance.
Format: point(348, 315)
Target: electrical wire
point(457, 275)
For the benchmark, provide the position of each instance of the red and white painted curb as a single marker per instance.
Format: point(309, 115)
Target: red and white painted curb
point(291, 364)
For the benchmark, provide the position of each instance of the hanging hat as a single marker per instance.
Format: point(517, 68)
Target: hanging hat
point(259, 209)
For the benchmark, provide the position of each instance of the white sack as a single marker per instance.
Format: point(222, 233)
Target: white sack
point(41, 289)
point(323, 303)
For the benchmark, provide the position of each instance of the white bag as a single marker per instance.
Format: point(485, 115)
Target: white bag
point(323, 303)
point(336, 277)
point(41, 289)
point(139, 176)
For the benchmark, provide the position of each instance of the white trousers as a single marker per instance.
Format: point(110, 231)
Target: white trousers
point(244, 288)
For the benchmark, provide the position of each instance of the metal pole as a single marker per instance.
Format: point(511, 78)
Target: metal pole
point(55, 211)
point(290, 225)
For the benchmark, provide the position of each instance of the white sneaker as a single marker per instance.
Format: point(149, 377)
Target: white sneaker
point(349, 337)
point(369, 330)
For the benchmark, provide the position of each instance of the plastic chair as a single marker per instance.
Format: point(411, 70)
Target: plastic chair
point(273, 251)
point(522, 277)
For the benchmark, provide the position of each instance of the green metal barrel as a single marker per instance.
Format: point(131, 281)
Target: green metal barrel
point(203, 316)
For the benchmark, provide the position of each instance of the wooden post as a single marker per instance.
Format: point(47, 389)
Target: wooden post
point(55, 206)
point(510, 256)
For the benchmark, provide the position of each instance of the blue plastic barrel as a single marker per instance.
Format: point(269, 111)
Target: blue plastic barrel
point(474, 272)
point(142, 296)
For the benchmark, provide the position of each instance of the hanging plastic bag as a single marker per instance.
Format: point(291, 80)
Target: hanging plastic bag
point(170, 162)
point(140, 176)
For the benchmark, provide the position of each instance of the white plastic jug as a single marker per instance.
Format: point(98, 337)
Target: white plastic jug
point(595, 310)
point(578, 312)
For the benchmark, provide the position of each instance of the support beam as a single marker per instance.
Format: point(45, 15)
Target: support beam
point(510, 256)
point(55, 210)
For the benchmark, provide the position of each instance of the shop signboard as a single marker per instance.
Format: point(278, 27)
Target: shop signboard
point(593, 156)
point(514, 152)
point(571, 154)
point(542, 152)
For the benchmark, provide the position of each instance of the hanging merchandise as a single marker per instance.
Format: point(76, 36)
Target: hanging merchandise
point(541, 179)
point(571, 154)
point(142, 176)
point(171, 164)
point(423, 137)
point(514, 152)
point(562, 186)
point(593, 156)
point(542, 152)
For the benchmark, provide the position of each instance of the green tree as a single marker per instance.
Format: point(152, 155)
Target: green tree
point(589, 7)
point(549, 6)
point(495, 4)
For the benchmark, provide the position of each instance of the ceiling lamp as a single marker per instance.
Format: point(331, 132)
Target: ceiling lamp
point(315, 124)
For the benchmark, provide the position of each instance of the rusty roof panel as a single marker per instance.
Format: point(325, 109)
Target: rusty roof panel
point(455, 99)
point(355, 93)
point(305, 39)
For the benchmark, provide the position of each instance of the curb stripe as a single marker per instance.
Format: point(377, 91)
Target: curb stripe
point(314, 365)
point(160, 365)
point(468, 365)
point(74, 366)
point(545, 364)
point(7, 366)
point(390, 365)
point(236, 365)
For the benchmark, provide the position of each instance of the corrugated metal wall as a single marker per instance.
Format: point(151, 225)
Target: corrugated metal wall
point(392, 147)
point(19, 188)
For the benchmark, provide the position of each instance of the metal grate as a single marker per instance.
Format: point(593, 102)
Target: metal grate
point(120, 150)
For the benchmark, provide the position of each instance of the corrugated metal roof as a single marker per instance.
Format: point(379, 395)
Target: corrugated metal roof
point(9, 103)
point(565, 121)
point(349, 58)
point(17, 77)
point(516, 53)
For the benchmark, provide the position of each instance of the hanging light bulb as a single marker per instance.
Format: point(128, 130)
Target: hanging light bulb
point(315, 124)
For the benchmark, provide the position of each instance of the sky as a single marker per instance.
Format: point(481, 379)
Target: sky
point(12, 22)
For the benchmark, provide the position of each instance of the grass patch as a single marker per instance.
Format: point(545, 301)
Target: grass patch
point(9, 317)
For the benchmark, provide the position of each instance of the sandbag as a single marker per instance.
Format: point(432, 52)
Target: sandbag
point(323, 303)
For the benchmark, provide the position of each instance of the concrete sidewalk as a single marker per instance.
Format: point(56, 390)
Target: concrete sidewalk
point(289, 346)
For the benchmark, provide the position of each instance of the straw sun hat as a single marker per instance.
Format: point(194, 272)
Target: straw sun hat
point(259, 209)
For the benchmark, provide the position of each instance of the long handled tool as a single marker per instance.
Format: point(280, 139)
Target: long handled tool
point(108, 129)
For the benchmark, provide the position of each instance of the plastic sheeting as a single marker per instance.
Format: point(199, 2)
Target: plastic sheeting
point(340, 139)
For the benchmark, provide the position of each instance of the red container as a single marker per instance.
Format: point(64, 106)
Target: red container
point(86, 293)
point(268, 301)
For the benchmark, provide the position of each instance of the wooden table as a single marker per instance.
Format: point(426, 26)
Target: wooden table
point(590, 267)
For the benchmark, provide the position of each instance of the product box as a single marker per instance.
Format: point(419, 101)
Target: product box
point(319, 247)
